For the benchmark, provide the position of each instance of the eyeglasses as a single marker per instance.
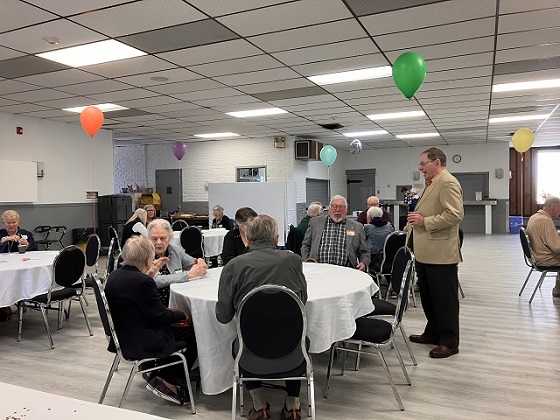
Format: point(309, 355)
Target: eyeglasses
point(425, 163)
point(338, 207)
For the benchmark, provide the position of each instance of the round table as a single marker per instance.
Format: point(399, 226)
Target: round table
point(336, 297)
point(23, 276)
point(213, 240)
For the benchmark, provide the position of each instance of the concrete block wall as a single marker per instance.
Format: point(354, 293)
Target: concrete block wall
point(130, 167)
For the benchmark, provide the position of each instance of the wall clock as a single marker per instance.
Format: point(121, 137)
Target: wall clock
point(457, 158)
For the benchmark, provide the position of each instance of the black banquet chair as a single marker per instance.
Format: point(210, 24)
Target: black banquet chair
point(179, 225)
point(393, 242)
point(68, 270)
point(531, 262)
point(267, 349)
point(136, 366)
point(376, 335)
point(192, 242)
point(52, 235)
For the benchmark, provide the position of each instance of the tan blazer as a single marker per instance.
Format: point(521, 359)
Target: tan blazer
point(441, 204)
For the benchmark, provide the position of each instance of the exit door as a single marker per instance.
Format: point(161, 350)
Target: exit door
point(169, 186)
point(360, 185)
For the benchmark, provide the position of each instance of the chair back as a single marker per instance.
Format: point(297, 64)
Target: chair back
point(93, 245)
point(59, 232)
point(271, 327)
point(69, 266)
point(294, 240)
point(105, 314)
point(461, 237)
point(113, 234)
point(43, 230)
point(179, 225)
point(402, 301)
point(393, 243)
point(192, 242)
point(402, 257)
point(526, 246)
point(111, 256)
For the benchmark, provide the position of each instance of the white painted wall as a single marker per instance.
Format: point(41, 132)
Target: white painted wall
point(216, 161)
point(130, 167)
point(68, 153)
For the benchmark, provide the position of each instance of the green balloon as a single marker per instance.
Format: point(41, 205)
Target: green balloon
point(328, 155)
point(409, 72)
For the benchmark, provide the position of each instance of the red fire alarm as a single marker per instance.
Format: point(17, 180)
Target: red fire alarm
point(19, 130)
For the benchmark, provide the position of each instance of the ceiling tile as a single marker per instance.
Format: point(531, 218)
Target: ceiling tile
point(172, 75)
point(17, 14)
point(7, 53)
point(60, 78)
point(547, 18)
point(276, 85)
point(13, 86)
point(67, 8)
point(220, 7)
point(137, 17)
point(37, 95)
point(27, 66)
point(257, 76)
point(122, 95)
point(177, 88)
point(240, 65)
point(285, 16)
point(99, 86)
point(121, 68)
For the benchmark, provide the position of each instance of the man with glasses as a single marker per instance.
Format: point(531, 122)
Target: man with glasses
point(334, 239)
point(434, 227)
point(373, 201)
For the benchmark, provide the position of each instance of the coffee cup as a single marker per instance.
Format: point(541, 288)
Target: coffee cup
point(22, 248)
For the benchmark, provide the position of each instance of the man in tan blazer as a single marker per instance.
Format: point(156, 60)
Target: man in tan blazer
point(435, 237)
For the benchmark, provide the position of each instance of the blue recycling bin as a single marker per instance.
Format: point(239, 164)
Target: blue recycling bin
point(515, 224)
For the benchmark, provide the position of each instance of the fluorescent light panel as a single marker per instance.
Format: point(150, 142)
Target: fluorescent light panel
point(98, 52)
point(518, 118)
point(395, 115)
point(216, 135)
point(535, 84)
point(365, 133)
point(417, 136)
point(257, 112)
point(352, 76)
point(102, 107)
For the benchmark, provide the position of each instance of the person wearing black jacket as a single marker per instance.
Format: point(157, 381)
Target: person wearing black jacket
point(144, 326)
point(235, 241)
point(12, 235)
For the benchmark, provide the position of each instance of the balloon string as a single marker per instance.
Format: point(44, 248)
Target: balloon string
point(93, 180)
point(329, 182)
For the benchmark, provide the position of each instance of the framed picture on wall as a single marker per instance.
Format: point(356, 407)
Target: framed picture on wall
point(252, 174)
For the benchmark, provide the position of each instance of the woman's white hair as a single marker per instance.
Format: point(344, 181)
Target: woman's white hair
point(375, 212)
point(10, 214)
point(161, 223)
point(137, 250)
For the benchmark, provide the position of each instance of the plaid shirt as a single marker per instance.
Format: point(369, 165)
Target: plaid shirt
point(332, 249)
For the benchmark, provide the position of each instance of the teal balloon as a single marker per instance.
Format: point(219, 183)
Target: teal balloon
point(409, 72)
point(328, 155)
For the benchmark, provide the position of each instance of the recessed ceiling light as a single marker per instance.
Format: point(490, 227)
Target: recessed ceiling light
point(51, 40)
point(417, 136)
point(257, 112)
point(352, 75)
point(98, 52)
point(535, 84)
point(395, 115)
point(102, 107)
point(365, 133)
point(159, 78)
point(216, 135)
point(518, 118)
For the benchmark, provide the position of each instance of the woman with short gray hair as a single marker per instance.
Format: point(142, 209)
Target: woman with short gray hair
point(12, 235)
point(220, 219)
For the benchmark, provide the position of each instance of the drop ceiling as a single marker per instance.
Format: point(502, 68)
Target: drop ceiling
point(209, 57)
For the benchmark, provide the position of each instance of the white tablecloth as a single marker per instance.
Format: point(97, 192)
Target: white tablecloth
point(336, 297)
point(27, 404)
point(23, 276)
point(213, 240)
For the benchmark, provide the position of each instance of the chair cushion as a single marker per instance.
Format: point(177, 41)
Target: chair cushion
point(56, 295)
point(552, 269)
point(382, 307)
point(372, 330)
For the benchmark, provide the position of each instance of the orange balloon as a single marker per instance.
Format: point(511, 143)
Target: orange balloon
point(92, 120)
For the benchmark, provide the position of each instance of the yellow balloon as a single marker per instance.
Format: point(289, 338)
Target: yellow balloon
point(523, 139)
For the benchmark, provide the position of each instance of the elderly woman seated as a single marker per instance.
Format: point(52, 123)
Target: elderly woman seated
point(220, 219)
point(144, 326)
point(377, 231)
point(12, 235)
point(179, 267)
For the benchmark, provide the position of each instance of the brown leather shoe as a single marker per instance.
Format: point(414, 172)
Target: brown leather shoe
point(262, 414)
point(423, 339)
point(442, 351)
point(291, 414)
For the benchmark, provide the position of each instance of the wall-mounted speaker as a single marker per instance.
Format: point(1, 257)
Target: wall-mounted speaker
point(416, 175)
point(279, 142)
point(499, 173)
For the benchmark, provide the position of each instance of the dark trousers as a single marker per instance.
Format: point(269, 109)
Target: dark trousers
point(292, 387)
point(439, 286)
point(184, 337)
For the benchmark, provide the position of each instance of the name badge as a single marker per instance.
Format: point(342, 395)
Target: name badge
point(178, 270)
point(350, 232)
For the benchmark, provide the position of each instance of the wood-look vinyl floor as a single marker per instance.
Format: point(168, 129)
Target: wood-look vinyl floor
point(508, 365)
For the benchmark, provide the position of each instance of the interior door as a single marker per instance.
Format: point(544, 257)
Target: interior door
point(360, 185)
point(169, 186)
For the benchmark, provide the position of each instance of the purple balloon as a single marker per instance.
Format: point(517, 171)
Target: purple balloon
point(179, 149)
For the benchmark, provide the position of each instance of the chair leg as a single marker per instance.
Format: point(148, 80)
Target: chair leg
point(403, 367)
point(461, 290)
point(85, 315)
point(127, 386)
point(68, 311)
point(234, 399)
point(311, 395)
point(407, 342)
point(329, 368)
point(241, 400)
point(357, 365)
point(526, 280)
point(386, 368)
point(44, 312)
point(188, 380)
point(60, 314)
point(20, 322)
point(538, 286)
point(113, 369)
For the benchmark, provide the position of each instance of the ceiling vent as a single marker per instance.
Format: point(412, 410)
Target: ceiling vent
point(334, 126)
point(307, 149)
